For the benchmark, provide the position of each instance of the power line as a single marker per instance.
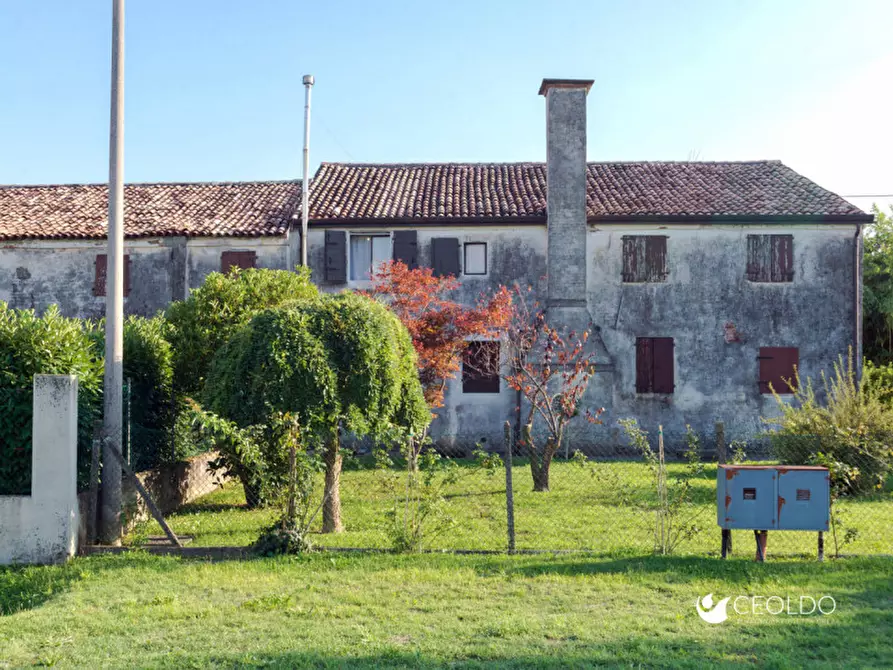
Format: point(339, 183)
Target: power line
point(871, 195)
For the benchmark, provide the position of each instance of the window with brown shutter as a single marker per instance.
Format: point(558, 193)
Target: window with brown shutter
point(654, 365)
point(770, 258)
point(101, 274)
point(238, 259)
point(644, 258)
point(778, 366)
point(480, 367)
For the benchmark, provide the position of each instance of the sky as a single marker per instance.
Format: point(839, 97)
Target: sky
point(213, 87)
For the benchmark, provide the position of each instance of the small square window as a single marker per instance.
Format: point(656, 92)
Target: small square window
point(475, 258)
point(366, 253)
point(480, 367)
point(101, 272)
point(770, 258)
point(778, 367)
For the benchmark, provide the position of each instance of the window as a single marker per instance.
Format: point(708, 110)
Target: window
point(366, 252)
point(644, 258)
point(475, 258)
point(480, 368)
point(101, 272)
point(654, 365)
point(770, 258)
point(238, 259)
point(778, 364)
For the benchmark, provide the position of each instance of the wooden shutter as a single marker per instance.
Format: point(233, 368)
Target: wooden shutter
point(336, 256)
point(101, 275)
point(654, 365)
point(770, 258)
point(406, 248)
point(644, 258)
point(445, 256)
point(644, 365)
point(240, 259)
point(776, 365)
point(663, 374)
point(782, 258)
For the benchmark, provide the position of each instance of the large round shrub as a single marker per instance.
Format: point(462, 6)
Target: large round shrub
point(337, 362)
point(201, 324)
point(30, 345)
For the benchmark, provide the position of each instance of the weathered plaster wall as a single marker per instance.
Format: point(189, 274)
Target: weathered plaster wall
point(42, 527)
point(514, 254)
point(203, 254)
point(36, 274)
point(706, 288)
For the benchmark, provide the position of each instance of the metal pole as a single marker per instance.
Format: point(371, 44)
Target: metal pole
point(305, 178)
point(110, 526)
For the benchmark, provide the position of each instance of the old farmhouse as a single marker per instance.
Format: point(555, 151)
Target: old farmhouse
point(702, 281)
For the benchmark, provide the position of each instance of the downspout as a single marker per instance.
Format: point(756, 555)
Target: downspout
point(857, 300)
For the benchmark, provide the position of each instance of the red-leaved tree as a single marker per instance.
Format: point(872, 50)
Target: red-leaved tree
point(440, 327)
point(552, 370)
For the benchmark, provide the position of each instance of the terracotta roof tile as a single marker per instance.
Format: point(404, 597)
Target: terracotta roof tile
point(242, 209)
point(507, 191)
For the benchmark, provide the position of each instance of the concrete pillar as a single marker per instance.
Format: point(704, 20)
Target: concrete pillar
point(43, 527)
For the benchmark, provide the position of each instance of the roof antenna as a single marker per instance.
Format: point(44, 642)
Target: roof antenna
point(305, 179)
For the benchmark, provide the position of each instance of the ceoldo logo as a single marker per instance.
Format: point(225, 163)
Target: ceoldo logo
point(712, 614)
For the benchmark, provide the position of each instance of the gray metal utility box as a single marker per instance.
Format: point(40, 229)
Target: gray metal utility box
point(773, 497)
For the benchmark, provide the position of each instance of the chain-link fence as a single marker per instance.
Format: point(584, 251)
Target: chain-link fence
point(597, 500)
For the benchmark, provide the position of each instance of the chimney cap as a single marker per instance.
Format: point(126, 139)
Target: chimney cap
point(585, 84)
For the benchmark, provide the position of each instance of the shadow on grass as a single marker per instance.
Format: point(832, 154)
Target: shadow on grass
point(25, 587)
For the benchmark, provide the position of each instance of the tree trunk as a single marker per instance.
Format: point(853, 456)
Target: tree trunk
point(331, 509)
point(541, 474)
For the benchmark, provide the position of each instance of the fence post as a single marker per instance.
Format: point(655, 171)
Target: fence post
point(94, 482)
point(722, 457)
point(509, 493)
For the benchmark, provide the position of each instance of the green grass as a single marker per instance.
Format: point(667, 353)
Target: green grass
point(380, 610)
point(585, 510)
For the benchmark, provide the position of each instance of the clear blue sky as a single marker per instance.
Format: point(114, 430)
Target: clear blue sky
point(214, 87)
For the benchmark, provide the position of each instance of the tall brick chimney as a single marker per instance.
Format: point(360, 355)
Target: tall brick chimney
point(566, 201)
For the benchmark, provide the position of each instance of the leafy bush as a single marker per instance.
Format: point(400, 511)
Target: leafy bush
point(878, 381)
point(853, 427)
point(201, 324)
point(338, 362)
point(29, 345)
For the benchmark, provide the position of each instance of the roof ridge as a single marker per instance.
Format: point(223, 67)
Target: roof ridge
point(160, 183)
point(765, 161)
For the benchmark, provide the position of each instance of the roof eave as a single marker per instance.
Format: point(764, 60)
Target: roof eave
point(734, 218)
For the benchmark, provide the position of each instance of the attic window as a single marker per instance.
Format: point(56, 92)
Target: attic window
point(237, 259)
point(100, 276)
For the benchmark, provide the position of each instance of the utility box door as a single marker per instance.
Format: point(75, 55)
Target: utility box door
point(746, 497)
point(803, 499)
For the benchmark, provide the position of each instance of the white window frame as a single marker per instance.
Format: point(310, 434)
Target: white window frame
point(364, 281)
point(465, 245)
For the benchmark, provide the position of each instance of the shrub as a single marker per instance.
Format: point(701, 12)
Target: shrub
point(50, 344)
point(201, 324)
point(338, 362)
point(853, 427)
point(878, 380)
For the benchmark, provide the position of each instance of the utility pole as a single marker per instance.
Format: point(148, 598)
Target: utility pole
point(305, 178)
point(110, 525)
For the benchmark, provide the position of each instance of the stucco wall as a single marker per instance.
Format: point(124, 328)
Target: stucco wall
point(42, 527)
point(706, 288)
point(34, 275)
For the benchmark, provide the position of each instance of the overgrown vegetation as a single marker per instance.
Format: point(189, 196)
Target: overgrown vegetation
point(201, 324)
point(877, 294)
point(48, 344)
point(676, 514)
point(851, 425)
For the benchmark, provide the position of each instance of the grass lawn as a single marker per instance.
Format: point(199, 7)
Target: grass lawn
point(380, 610)
point(597, 507)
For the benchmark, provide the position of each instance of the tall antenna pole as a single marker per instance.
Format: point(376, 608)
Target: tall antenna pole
point(110, 526)
point(305, 178)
